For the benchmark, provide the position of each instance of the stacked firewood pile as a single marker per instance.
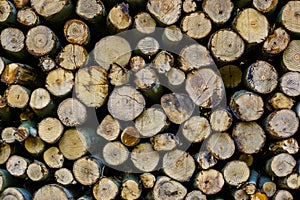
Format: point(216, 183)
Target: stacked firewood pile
point(149, 99)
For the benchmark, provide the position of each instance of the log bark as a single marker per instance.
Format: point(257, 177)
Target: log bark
point(218, 11)
point(125, 103)
point(249, 137)
point(35, 146)
point(109, 128)
point(72, 112)
point(50, 130)
point(6, 180)
point(148, 180)
point(144, 158)
point(130, 136)
point(236, 173)
point(41, 102)
point(72, 57)
point(37, 171)
point(5, 152)
point(64, 177)
point(291, 56)
point(144, 23)
point(106, 188)
point(196, 129)
point(287, 16)
point(52, 191)
point(166, 12)
point(118, 18)
point(164, 142)
point(226, 45)
point(17, 96)
point(41, 41)
point(205, 87)
point(250, 187)
point(87, 170)
point(291, 181)
point(16, 193)
point(92, 10)
point(282, 124)
point(220, 120)
point(166, 188)
point(209, 181)
point(205, 159)
point(53, 158)
point(91, 86)
point(246, 106)
point(252, 26)
point(281, 101)
point(265, 6)
point(17, 166)
point(196, 25)
point(276, 42)
point(221, 145)
point(261, 77)
point(77, 32)
point(178, 107)
point(231, 75)
point(178, 165)
point(115, 153)
point(280, 165)
point(289, 83)
point(28, 17)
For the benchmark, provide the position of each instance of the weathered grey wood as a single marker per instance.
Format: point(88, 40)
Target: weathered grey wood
point(115, 153)
point(137, 63)
point(77, 32)
point(92, 10)
point(118, 18)
point(106, 188)
point(176, 78)
point(172, 35)
point(209, 181)
point(289, 84)
point(52, 191)
point(205, 159)
point(236, 172)
point(281, 101)
point(50, 130)
point(265, 6)
point(291, 56)
point(283, 194)
point(166, 188)
point(196, 129)
point(164, 142)
point(280, 165)
point(72, 56)
point(195, 195)
point(287, 16)
point(148, 46)
point(163, 62)
point(144, 23)
point(118, 75)
point(189, 6)
point(53, 157)
point(221, 145)
point(196, 25)
point(109, 128)
point(276, 42)
point(219, 11)
point(220, 120)
point(8, 134)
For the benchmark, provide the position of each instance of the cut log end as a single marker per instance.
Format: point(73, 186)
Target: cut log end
point(236, 172)
point(165, 188)
point(106, 188)
point(76, 32)
point(53, 157)
point(72, 57)
point(12, 40)
point(218, 11)
point(27, 17)
point(221, 145)
point(209, 181)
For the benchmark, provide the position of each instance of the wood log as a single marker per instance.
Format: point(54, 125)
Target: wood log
point(115, 153)
point(163, 62)
point(74, 143)
point(199, 52)
point(164, 142)
point(41, 41)
point(265, 6)
point(220, 120)
point(8, 135)
point(20, 3)
point(289, 146)
point(144, 157)
point(239, 194)
point(178, 165)
point(72, 56)
point(131, 188)
point(205, 159)
point(231, 75)
point(53, 11)
point(112, 49)
point(109, 128)
point(148, 180)
point(118, 75)
point(246, 106)
point(6, 180)
point(236, 172)
point(118, 18)
point(218, 11)
point(178, 107)
point(52, 191)
point(172, 36)
point(276, 42)
point(144, 23)
point(281, 101)
point(15, 193)
point(47, 64)
point(221, 145)
point(137, 63)
point(92, 10)
point(282, 124)
point(291, 55)
point(5, 152)
point(35, 146)
point(50, 130)
point(151, 121)
point(189, 6)
point(226, 45)
point(53, 158)
point(148, 46)
point(130, 136)
point(72, 112)
point(252, 26)
point(64, 177)
point(41, 102)
point(196, 129)
point(289, 82)
point(261, 77)
point(195, 195)
point(280, 165)
point(166, 12)
point(17, 96)
point(291, 181)
point(8, 13)
point(125, 103)
point(91, 86)
point(250, 187)
point(106, 188)
point(37, 171)
point(209, 181)
point(28, 17)
point(17, 166)
point(205, 87)
point(17, 73)
point(249, 137)
point(282, 194)
point(196, 25)
point(77, 32)
point(166, 188)
point(287, 16)
point(87, 170)
point(176, 78)
point(267, 186)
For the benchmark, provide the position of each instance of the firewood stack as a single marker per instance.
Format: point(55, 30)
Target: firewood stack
point(149, 99)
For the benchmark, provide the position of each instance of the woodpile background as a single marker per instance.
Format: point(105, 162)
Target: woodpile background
point(158, 113)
